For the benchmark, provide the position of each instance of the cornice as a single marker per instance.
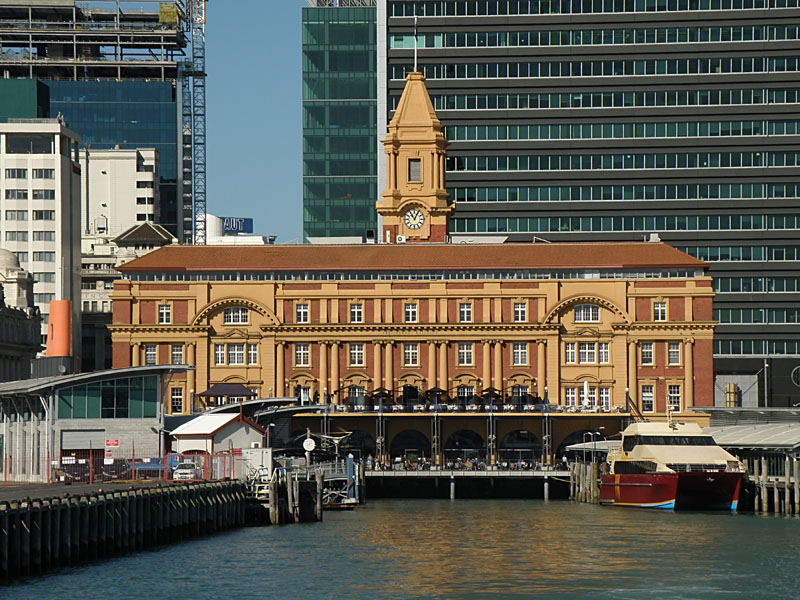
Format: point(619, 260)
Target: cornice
point(158, 329)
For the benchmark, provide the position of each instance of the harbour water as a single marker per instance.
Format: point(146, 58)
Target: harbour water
point(460, 549)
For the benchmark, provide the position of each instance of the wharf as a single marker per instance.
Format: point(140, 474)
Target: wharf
point(17, 491)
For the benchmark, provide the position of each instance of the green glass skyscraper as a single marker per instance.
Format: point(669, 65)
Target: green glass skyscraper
point(339, 118)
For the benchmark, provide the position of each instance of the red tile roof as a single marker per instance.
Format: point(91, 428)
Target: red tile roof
point(357, 257)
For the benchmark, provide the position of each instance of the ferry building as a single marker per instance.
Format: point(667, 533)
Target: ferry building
point(416, 319)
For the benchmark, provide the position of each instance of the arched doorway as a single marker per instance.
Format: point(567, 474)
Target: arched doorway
point(577, 437)
point(520, 444)
point(360, 444)
point(464, 444)
point(410, 444)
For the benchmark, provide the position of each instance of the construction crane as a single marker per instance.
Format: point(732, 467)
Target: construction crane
point(194, 122)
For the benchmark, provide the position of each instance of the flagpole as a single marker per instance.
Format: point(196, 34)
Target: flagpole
point(415, 38)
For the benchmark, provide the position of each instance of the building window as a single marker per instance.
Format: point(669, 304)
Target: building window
point(44, 236)
point(520, 354)
point(647, 398)
point(301, 313)
point(356, 394)
point(177, 354)
point(605, 398)
point(466, 393)
point(520, 312)
point(177, 400)
point(410, 312)
point(586, 353)
point(16, 194)
point(252, 354)
point(465, 354)
point(164, 314)
point(414, 170)
point(16, 215)
point(674, 398)
point(569, 396)
point(569, 352)
point(302, 355)
point(16, 236)
point(674, 353)
point(357, 354)
point(150, 354)
point(44, 173)
point(236, 315)
point(647, 353)
point(44, 256)
point(44, 215)
point(465, 312)
point(235, 354)
point(604, 352)
point(45, 277)
point(411, 354)
point(356, 313)
point(587, 313)
point(519, 393)
point(16, 173)
point(44, 194)
point(219, 354)
point(659, 311)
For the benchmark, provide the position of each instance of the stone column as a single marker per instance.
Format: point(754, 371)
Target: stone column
point(443, 366)
point(541, 368)
point(498, 365)
point(633, 386)
point(136, 354)
point(377, 376)
point(388, 382)
point(322, 383)
point(280, 369)
point(191, 390)
point(334, 387)
point(688, 386)
point(431, 365)
point(487, 364)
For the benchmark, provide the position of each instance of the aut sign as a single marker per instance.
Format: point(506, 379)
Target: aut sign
point(237, 225)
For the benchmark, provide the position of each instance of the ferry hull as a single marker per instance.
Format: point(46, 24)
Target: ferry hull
point(673, 491)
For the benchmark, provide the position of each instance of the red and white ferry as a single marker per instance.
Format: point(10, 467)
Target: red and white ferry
point(672, 466)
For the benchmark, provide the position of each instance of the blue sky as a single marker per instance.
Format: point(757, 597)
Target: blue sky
point(253, 112)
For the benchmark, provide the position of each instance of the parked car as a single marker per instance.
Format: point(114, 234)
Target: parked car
point(187, 470)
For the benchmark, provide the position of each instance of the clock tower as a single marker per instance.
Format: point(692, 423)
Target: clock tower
point(415, 203)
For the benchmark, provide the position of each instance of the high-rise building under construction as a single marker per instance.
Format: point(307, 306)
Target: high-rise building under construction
point(119, 72)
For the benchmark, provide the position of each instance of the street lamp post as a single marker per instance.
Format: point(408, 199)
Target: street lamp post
point(585, 433)
point(594, 440)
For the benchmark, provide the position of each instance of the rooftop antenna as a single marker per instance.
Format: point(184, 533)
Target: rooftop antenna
point(415, 38)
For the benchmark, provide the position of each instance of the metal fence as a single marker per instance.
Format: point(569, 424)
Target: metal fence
point(93, 466)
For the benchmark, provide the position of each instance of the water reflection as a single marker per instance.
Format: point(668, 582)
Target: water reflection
point(462, 549)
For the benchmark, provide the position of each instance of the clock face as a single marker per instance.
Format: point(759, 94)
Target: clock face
point(414, 218)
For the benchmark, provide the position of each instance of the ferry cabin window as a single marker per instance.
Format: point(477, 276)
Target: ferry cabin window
point(666, 440)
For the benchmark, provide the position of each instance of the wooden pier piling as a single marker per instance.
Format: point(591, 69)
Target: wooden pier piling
point(42, 534)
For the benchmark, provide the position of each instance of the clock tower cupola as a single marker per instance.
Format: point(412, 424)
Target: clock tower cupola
point(415, 203)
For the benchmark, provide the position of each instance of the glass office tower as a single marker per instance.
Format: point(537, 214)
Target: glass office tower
point(339, 119)
point(128, 114)
point(618, 119)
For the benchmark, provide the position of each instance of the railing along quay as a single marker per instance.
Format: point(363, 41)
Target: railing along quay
point(42, 534)
point(478, 474)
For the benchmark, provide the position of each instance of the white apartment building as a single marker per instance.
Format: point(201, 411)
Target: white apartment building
point(40, 211)
point(120, 188)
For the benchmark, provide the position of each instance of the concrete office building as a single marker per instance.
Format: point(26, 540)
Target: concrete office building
point(19, 319)
point(339, 119)
point(615, 119)
point(120, 188)
point(40, 209)
point(116, 71)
